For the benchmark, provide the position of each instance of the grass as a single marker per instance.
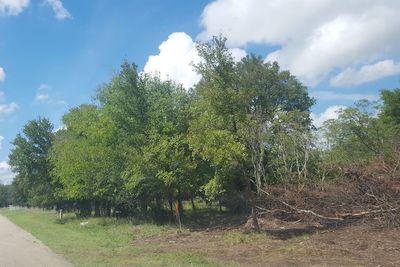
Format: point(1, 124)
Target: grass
point(103, 241)
point(236, 238)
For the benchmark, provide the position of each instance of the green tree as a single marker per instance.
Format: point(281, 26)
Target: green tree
point(239, 108)
point(151, 120)
point(29, 160)
point(390, 113)
point(85, 161)
point(356, 135)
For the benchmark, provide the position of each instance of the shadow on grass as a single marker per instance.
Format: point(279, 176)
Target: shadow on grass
point(209, 219)
point(289, 233)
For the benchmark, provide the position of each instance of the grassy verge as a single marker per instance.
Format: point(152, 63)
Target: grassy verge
point(103, 241)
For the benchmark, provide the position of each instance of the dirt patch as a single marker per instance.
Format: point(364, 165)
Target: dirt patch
point(286, 244)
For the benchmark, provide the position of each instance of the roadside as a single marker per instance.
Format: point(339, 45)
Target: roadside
point(19, 248)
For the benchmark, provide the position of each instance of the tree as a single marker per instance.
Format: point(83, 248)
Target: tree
point(29, 159)
point(390, 113)
point(85, 161)
point(151, 120)
point(357, 134)
point(217, 111)
point(238, 110)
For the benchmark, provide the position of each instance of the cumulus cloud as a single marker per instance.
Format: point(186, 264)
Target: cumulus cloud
point(59, 10)
point(12, 7)
point(6, 175)
point(315, 37)
point(176, 58)
point(366, 73)
point(330, 95)
point(331, 112)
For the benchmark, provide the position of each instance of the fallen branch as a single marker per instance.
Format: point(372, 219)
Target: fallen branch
point(364, 213)
point(301, 210)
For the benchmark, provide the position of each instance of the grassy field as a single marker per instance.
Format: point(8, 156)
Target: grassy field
point(103, 241)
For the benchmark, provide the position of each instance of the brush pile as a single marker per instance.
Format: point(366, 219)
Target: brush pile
point(369, 193)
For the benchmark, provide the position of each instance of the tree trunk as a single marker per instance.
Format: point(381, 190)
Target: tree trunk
point(108, 209)
point(193, 205)
point(97, 208)
point(254, 219)
point(85, 209)
point(171, 207)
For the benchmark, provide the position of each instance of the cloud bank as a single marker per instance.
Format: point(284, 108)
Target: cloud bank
point(366, 73)
point(315, 37)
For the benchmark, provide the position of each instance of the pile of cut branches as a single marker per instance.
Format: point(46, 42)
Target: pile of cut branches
point(360, 195)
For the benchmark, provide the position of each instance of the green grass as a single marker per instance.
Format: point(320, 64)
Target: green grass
point(103, 241)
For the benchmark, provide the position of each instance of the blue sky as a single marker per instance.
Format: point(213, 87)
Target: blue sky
point(54, 54)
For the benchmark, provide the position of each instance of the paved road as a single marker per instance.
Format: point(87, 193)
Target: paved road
point(19, 248)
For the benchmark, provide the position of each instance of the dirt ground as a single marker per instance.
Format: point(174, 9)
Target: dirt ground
point(286, 244)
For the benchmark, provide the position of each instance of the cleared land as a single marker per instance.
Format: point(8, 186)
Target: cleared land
point(219, 240)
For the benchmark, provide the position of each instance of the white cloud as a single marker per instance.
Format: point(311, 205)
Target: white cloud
point(2, 74)
point(12, 7)
point(41, 97)
point(366, 73)
point(329, 95)
point(6, 109)
point(331, 112)
point(6, 175)
point(59, 10)
point(237, 53)
point(177, 54)
point(176, 58)
point(315, 37)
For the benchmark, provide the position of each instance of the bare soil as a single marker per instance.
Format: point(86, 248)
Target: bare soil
point(286, 244)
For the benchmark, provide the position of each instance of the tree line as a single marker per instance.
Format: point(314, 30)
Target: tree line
point(146, 143)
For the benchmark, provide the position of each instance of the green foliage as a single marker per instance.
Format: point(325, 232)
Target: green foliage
point(147, 142)
point(238, 112)
point(357, 134)
point(85, 161)
point(391, 107)
point(29, 159)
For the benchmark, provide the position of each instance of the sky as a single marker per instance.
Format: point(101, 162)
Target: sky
point(54, 54)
